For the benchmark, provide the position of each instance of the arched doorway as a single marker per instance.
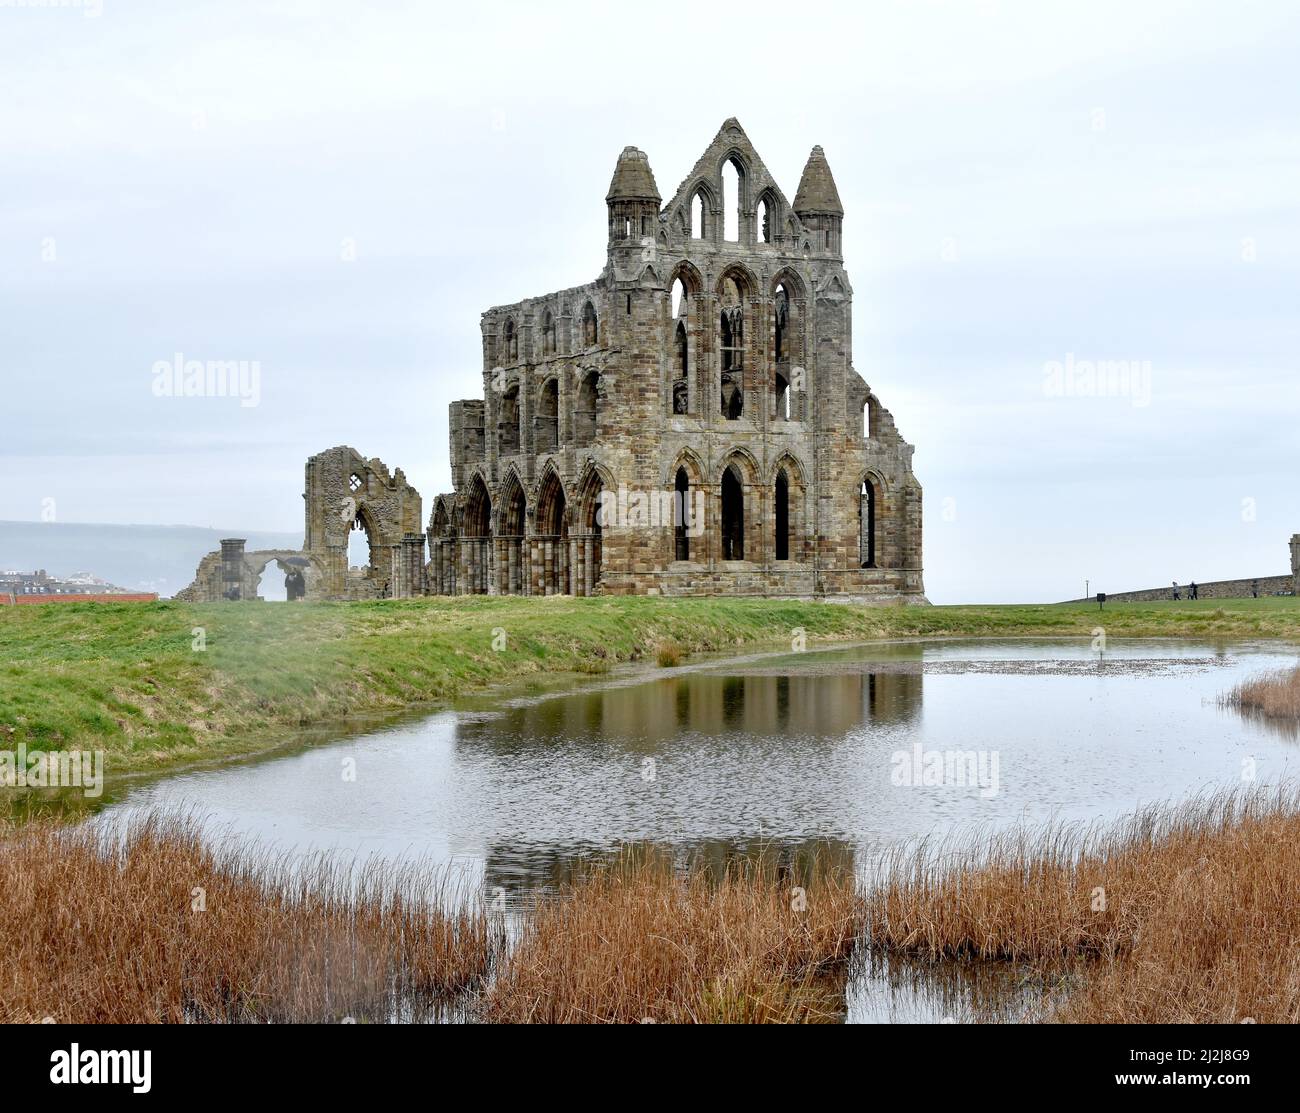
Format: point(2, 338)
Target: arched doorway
point(476, 540)
point(551, 541)
point(588, 539)
point(510, 541)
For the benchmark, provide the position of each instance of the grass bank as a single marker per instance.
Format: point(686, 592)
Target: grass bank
point(156, 685)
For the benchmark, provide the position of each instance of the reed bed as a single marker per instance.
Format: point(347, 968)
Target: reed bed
point(1275, 695)
point(1184, 914)
point(148, 924)
point(637, 941)
point(1179, 914)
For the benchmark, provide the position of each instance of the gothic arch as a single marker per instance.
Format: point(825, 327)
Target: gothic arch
point(688, 272)
point(476, 513)
point(744, 278)
point(791, 279)
point(689, 459)
point(512, 505)
point(586, 529)
point(589, 324)
point(743, 458)
point(871, 493)
point(790, 515)
point(793, 466)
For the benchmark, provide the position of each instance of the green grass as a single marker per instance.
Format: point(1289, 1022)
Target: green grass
point(124, 677)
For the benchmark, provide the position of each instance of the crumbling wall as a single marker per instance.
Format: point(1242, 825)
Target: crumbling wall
point(343, 491)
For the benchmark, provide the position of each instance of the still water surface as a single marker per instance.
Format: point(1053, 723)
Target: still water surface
point(790, 751)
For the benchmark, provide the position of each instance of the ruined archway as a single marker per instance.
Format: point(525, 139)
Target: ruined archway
point(511, 558)
point(475, 558)
point(588, 533)
point(551, 538)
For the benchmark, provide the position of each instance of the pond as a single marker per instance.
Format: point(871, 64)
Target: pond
point(849, 750)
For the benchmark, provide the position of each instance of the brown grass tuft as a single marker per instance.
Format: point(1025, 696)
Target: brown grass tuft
point(1275, 695)
point(103, 928)
point(638, 942)
point(669, 655)
point(1182, 915)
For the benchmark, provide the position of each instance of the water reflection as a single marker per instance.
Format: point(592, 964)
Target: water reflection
point(704, 704)
point(791, 861)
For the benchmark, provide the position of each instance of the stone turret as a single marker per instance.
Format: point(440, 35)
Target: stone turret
point(817, 203)
point(633, 198)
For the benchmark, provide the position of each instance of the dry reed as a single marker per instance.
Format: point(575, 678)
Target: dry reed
point(1275, 695)
point(148, 924)
point(638, 941)
point(1184, 914)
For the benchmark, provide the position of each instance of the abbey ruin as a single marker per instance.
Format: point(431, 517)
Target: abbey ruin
point(689, 423)
point(708, 369)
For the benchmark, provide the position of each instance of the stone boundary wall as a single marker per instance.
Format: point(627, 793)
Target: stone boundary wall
point(1215, 589)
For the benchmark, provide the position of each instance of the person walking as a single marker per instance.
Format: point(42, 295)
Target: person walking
point(1191, 591)
point(1176, 595)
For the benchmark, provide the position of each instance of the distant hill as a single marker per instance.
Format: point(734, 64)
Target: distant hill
point(139, 558)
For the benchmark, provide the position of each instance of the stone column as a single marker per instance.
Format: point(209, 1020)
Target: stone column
point(232, 568)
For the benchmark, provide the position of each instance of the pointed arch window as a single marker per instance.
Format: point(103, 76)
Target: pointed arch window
point(590, 329)
point(732, 349)
point(509, 423)
point(548, 417)
point(549, 334)
point(732, 200)
point(867, 524)
point(681, 516)
point(733, 515)
point(510, 344)
point(782, 516)
point(585, 413)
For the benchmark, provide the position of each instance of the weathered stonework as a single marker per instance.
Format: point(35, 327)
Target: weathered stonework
point(343, 491)
point(603, 404)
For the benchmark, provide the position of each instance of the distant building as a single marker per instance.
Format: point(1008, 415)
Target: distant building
point(80, 587)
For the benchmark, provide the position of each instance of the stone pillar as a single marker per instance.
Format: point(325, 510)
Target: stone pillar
point(232, 568)
point(588, 569)
point(408, 567)
point(1295, 563)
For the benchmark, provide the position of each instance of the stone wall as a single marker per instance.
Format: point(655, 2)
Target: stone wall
point(1215, 589)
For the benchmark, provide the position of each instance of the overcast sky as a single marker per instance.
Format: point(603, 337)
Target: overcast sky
point(1025, 185)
